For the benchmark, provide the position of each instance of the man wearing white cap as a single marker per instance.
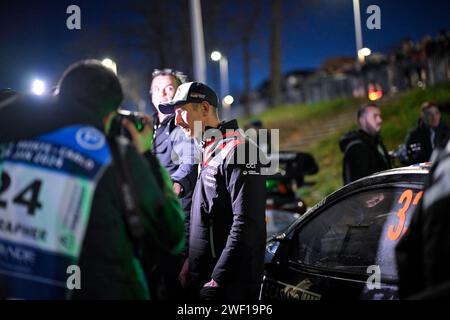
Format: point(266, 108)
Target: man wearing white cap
point(227, 231)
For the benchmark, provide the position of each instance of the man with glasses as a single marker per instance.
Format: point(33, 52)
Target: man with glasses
point(176, 153)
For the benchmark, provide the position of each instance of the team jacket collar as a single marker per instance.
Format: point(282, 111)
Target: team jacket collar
point(231, 137)
point(223, 128)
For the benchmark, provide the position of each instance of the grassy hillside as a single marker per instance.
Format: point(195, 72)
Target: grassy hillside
point(399, 113)
point(296, 121)
point(290, 113)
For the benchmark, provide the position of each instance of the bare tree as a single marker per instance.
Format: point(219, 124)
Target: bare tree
point(240, 29)
point(281, 11)
point(160, 30)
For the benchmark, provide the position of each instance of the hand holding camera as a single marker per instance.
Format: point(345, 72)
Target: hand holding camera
point(136, 126)
point(407, 154)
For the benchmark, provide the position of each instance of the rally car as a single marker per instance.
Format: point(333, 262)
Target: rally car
point(344, 247)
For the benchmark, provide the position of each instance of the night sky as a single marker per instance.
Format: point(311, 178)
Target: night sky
point(36, 43)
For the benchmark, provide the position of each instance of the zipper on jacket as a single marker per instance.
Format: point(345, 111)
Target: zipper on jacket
point(211, 239)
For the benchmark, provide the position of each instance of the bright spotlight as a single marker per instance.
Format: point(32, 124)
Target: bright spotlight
point(216, 56)
point(38, 87)
point(228, 100)
point(365, 52)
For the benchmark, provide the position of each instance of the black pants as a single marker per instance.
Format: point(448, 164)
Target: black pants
point(164, 283)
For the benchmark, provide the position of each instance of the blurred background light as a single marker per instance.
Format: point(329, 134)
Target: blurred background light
point(216, 56)
point(38, 87)
point(228, 100)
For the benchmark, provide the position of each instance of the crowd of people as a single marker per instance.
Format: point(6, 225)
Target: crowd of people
point(364, 150)
point(169, 210)
point(423, 254)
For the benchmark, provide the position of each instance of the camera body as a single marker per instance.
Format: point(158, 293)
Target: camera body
point(137, 118)
point(407, 154)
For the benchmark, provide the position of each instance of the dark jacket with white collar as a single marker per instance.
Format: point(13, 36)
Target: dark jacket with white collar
point(228, 232)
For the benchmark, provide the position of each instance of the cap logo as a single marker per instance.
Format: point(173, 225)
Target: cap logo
point(198, 95)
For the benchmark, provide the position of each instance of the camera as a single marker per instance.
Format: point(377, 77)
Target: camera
point(406, 154)
point(137, 118)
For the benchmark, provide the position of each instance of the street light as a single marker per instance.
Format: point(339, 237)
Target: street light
point(363, 53)
point(358, 30)
point(38, 87)
point(110, 64)
point(198, 42)
point(227, 101)
point(216, 56)
point(224, 81)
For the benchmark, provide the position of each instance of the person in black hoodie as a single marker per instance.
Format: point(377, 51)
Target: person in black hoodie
point(429, 134)
point(364, 151)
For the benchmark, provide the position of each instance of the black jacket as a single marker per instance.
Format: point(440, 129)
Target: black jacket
point(176, 152)
point(109, 268)
point(420, 137)
point(423, 253)
point(228, 232)
point(363, 155)
point(179, 155)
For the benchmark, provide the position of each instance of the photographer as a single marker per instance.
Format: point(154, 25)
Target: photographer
point(429, 134)
point(63, 155)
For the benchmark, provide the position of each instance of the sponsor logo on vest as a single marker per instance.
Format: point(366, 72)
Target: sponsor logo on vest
point(90, 138)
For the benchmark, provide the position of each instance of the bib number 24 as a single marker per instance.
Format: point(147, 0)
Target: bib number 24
point(28, 196)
